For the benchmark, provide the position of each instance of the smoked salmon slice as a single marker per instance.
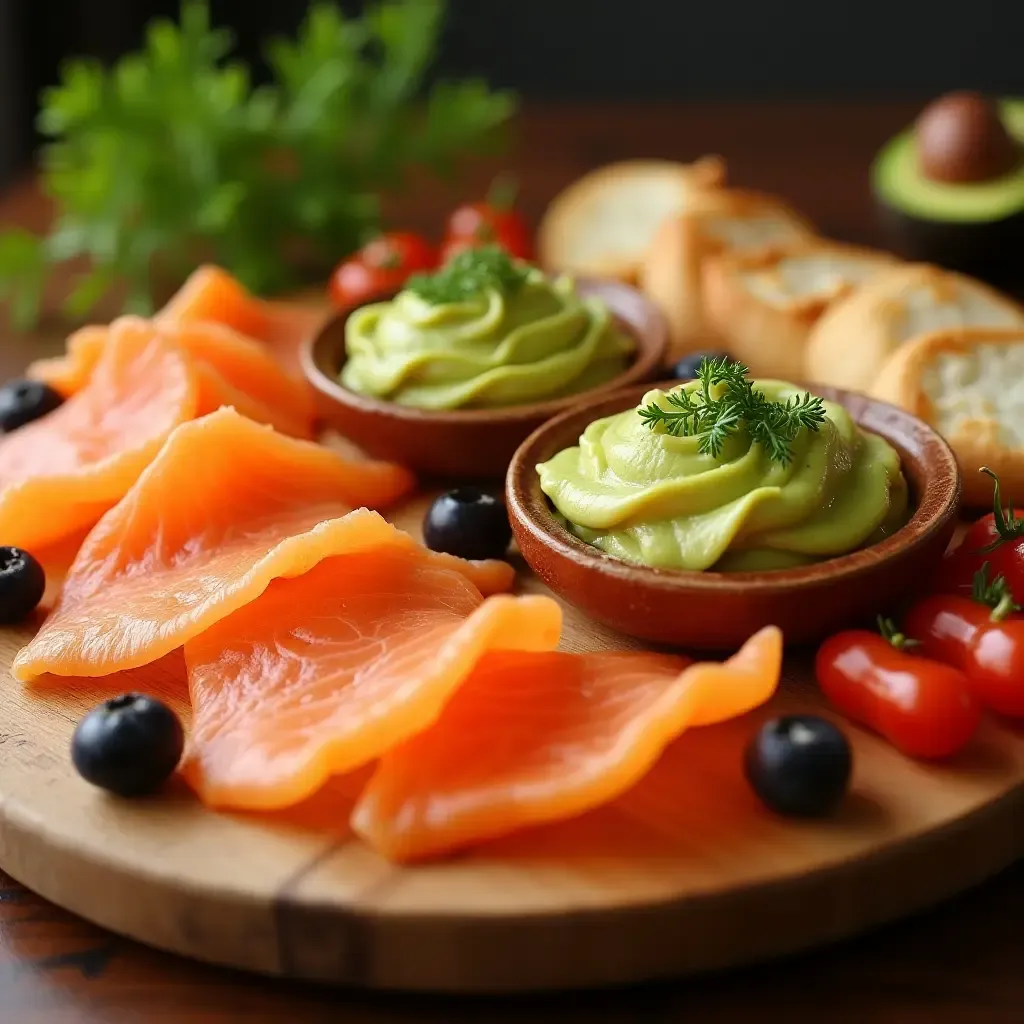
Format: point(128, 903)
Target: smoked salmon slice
point(234, 370)
point(56, 560)
point(69, 373)
point(230, 369)
point(225, 507)
point(538, 737)
point(323, 673)
point(59, 474)
point(212, 295)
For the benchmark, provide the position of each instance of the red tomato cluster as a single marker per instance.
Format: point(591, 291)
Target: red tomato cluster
point(921, 706)
point(961, 649)
point(984, 643)
point(383, 265)
point(380, 267)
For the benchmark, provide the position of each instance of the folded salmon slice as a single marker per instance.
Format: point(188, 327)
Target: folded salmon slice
point(212, 295)
point(323, 673)
point(56, 560)
point(234, 370)
point(538, 737)
point(230, 368)
point(226, 506)
point(71, 372)
point(59, 474)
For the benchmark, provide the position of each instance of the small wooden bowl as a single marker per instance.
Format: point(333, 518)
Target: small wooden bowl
point(718, 611)
point(475, 443)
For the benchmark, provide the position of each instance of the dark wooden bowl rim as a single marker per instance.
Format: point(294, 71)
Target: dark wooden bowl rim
point(529, 505)
point(325, 351)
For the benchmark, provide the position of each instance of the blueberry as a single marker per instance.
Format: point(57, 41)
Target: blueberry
point(22, 583)
point(686, 368)
point(469, 523)
point(22, 401)
point(799, 765)
point(129, 745)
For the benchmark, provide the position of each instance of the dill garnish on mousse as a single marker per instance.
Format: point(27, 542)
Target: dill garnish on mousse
point(727, 474)
point(470, 274)
point(485, 331)
point(724, 401)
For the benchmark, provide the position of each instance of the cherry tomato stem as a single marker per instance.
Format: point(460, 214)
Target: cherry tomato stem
point(494, 220)
point(503, 193)
point(923, 707)
point(1008, 525)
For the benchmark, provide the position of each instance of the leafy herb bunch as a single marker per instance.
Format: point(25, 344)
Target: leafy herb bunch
point(469, 274)
point(713, 414)
point(173, 156)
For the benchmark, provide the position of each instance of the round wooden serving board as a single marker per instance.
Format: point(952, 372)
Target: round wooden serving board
point(685, 874)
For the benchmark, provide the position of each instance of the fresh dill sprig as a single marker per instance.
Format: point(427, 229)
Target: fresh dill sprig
point(712, 420)
point(469, 274)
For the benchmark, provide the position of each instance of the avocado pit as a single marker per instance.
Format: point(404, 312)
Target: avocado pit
point(961, 138)
point(950, 187)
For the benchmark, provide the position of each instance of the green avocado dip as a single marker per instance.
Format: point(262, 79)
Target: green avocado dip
point(726, 474)
point(483, 332)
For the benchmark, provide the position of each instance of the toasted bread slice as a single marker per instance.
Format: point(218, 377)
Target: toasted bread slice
point(851, 342)
point(763, 304)
point(967, 383)
point(603, 223)
point(716, 221)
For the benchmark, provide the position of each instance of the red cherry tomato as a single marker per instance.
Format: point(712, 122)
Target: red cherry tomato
point(997, 538)
point(381, 266)
point(923, 707)
point(495, 221)
point(981, 635)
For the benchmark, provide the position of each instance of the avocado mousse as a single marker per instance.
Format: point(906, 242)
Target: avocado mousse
point(485, 331)
point(951, 187)
point(727, 474)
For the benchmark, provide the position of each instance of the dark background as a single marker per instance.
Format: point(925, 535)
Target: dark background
point(602, 50)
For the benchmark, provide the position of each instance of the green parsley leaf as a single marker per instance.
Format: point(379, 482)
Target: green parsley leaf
point(22, 275)
point(173, 156)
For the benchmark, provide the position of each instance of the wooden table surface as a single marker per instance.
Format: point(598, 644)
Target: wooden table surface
point(958, 964)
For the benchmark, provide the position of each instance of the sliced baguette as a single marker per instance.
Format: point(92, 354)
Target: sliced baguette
point(716, 221)
point(967, 383)
point(603, 223)
point(850, 343)
point(762, 305)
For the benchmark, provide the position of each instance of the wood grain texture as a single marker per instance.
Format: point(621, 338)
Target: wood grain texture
point(959, 962)
point(684, 874)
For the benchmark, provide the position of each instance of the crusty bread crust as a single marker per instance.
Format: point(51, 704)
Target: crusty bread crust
point(559, 229)
point(853, 339)
point(976, 441)
point(672, 270)
point(771, 337)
